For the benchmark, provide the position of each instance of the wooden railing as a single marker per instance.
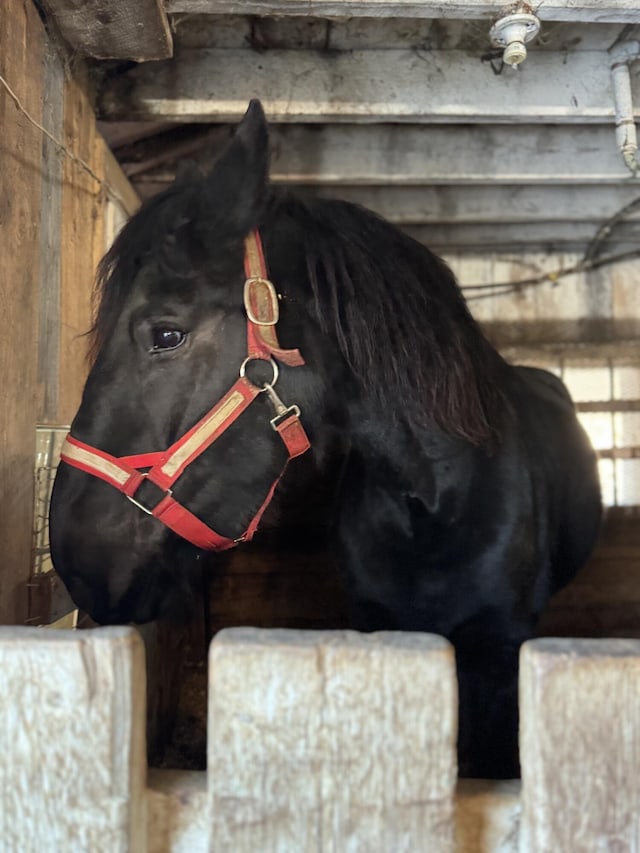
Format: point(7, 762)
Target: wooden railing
point(318, 741)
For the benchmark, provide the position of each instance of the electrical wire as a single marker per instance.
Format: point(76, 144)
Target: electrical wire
point(503, 288)
point(590, 261)
point(78, 161)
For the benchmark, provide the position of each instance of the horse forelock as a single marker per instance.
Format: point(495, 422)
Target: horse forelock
point(399, 319)
point(152, 233)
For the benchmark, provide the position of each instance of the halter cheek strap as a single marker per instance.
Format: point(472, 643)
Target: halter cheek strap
point(262, 307)
point(165, 467)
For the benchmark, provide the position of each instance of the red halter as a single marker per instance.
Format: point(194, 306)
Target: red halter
point(261, 305)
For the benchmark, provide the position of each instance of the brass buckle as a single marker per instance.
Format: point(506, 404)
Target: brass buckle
point(265, 302)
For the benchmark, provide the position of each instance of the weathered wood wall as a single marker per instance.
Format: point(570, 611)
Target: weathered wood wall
point(51, 237)
point(586, 308)
point(604, 598)
point(278, 582)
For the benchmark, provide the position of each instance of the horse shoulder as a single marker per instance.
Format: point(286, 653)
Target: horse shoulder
point(563, 468)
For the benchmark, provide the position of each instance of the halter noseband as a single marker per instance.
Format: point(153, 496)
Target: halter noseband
point(165, 467)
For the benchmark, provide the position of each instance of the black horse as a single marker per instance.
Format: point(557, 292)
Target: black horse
point(467, 492)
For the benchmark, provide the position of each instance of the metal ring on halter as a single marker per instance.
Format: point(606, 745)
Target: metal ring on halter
point(274, 367)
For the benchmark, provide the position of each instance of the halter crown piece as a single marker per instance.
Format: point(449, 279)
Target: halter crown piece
point(165, 467)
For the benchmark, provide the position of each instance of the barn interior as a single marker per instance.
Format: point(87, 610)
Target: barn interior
point(514, 173)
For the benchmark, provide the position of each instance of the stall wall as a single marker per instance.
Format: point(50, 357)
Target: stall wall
point(593, 308)
point(51, 237)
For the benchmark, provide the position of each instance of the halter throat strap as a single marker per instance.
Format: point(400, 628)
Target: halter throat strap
point(165, 467)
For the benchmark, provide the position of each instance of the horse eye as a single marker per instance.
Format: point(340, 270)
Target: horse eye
point(164, 339)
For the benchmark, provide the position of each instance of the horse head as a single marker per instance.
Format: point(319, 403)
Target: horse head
point(191, 408)
point(183, 431)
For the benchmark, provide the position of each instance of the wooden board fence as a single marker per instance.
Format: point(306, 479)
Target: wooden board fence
point(318, 741)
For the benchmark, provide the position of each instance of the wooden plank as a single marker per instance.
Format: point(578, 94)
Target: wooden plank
point(456, 215)
point(121, 191)
point(602, 601)
point(366, 86)
point(576, 309)
point(270, 588)
point(322, 741)
point(624, 294)
point(121, 200)
point(177, 811)
point(72, 740)
point(404, 155)
point(488, 816)
point(50, 237)
point(580, 745)
point(553, 236)
point(440, 205)
point(111, 29)
point(21, 50)
point(83, 240)
point(563, 330)
point(600, 620)
point(620, 11)
point(620, 533)
point(49, 599)
point(309, 33)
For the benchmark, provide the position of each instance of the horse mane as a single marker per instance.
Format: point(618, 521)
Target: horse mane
point(398, 317)
point(393, 308)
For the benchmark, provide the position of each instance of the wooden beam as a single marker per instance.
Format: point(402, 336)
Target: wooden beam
point(367, 86)
point(50, 236)
point(401, 155)
point(82, 237)
point(579, 745)
point(483, 218)
point(441, 154)
point(113, 29)
point(487, 814)
point(22, 48)
point(551, 235)
point(602, 11)
point(484, 204)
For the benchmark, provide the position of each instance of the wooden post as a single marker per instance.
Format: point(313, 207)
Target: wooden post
point(177, 811)
point(72, 772)
point(331, 741)
point(580, 746)
point(487, 816)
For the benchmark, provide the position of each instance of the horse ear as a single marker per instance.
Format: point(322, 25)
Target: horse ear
point(235, 191)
